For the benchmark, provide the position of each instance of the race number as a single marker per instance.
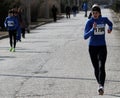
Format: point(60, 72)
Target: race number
point(99, 30)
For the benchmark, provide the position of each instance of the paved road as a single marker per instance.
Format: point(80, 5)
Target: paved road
point(53, 62)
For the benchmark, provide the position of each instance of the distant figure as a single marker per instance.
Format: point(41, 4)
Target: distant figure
point(11, 23)
point(85, 8)
point(22, 21)
point(74, 10)
point(15, 14)
point(68, 9)
point(54, 13)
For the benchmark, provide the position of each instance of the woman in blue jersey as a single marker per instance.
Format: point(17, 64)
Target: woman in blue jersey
point(11, 23)
point(95, 31)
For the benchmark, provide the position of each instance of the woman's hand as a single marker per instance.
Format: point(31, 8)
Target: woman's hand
point(94, 25)
point(109, 31)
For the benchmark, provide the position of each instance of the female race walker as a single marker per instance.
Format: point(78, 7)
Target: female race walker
point(95, 30)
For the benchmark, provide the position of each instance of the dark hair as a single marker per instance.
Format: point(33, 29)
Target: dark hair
point(15, 12)
point(10, 11)
point(96, 8)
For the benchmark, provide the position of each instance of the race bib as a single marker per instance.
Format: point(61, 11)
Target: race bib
point(10, 23)
point(99, 30)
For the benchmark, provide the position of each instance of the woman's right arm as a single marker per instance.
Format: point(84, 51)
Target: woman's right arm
point(88, 31)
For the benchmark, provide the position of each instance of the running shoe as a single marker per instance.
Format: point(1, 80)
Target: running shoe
point(10, 49)
point(13, 49)
point(101, 90)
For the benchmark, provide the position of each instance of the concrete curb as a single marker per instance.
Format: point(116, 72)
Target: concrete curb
point(4, 36)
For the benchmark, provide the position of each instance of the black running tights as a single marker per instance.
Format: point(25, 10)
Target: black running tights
point(12, 36)
point(98, 55)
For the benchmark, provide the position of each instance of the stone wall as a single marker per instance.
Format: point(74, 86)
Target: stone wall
point(101, 1)
point(45, 8)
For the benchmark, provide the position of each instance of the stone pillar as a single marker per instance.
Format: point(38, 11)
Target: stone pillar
point(47, 8)
point(78, 3)
point(111, 2)
point(68, 1)
point(28, 13)
point(60, 6)
point(74, 2)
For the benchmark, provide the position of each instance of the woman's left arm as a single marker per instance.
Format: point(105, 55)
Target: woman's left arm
point(110, 24)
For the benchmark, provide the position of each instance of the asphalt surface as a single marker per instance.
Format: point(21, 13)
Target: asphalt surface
point(53, 62)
